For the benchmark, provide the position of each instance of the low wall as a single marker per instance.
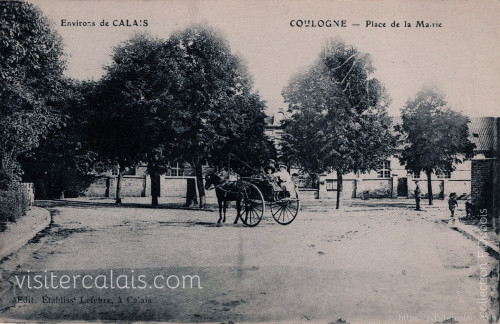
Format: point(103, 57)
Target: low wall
point(140, 186)
point(98, 188)
point(461, 187)
point(308, 194)
point(348, 189)
point(387, 188)
point(437, 188)
point(374, 188)
point(173, 187)
point(132, 186)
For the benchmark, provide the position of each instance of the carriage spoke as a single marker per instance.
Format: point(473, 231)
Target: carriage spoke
point(257, 206)
point(275, 212)
point(286, 205)
point(285, 213)
point(286, 210)
point(282, 212)
point(251, 212)
point(254, 210)
point(251, 202)
point(256, 215)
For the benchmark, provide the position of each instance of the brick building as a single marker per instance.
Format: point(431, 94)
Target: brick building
point(485, 175)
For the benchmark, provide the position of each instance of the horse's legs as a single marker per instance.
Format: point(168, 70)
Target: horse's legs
point(219, 201)
point(238, 210)
point(224, 210)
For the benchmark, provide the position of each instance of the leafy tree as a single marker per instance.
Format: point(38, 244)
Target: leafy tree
point(31, 66)
point(338, 119)
point(247, 139)
point(213, 103)
point(131, 119)
point(184, 100)
point(436, 137)
point(62, 164)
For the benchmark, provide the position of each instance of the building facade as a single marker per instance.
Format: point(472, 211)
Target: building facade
point(392, 180)
point(478, 176)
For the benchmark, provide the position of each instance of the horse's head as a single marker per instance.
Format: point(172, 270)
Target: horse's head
point(211, 179)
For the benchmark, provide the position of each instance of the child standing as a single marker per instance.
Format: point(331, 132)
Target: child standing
point(452, 203)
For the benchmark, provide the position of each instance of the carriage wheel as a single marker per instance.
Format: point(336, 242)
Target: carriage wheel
point(252, 204)
point(285, 210)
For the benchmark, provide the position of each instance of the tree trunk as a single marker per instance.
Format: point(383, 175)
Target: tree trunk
point(191, 199)
point(199, 183)
point(119, 185)
point(339, 189)
point(155, 186)
point(429, 186)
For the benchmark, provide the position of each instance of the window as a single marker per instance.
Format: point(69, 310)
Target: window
point(413, 175)
point(385, 170)
point(443, 175)
point(175, 171)
point(331, 185)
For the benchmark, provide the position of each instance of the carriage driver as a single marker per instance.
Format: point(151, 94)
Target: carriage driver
point(285, 180)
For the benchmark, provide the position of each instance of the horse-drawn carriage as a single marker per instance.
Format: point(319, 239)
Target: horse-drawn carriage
point(252, 194)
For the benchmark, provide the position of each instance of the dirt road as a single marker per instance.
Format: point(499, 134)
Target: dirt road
point(394, 265)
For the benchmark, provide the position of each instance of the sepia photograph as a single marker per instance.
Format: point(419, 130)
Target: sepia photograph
point(268, 161)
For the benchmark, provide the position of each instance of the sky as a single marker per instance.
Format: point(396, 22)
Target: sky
point(460, 57)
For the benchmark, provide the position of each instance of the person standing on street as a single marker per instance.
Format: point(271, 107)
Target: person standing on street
point(417, 196)
point(452, 203)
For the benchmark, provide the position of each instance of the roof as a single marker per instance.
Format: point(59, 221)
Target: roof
point(481, 132)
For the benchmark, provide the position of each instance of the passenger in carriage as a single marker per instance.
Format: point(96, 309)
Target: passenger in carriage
point(285, 181)
point(270, 171)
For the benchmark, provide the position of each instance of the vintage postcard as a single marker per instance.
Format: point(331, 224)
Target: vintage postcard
point(249, 161)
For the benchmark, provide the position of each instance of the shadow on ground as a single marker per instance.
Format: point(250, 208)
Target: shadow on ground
point(107, 204)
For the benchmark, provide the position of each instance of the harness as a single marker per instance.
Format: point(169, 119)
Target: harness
point(231, 184)
point(232, 187)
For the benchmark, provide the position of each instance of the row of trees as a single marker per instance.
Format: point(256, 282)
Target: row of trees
point(190, 99)
point(338, 121)
point(184, 99)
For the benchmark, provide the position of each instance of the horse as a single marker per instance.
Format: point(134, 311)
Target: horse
point(225, 191)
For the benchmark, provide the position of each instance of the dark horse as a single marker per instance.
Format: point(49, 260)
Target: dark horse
point(225, 191)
